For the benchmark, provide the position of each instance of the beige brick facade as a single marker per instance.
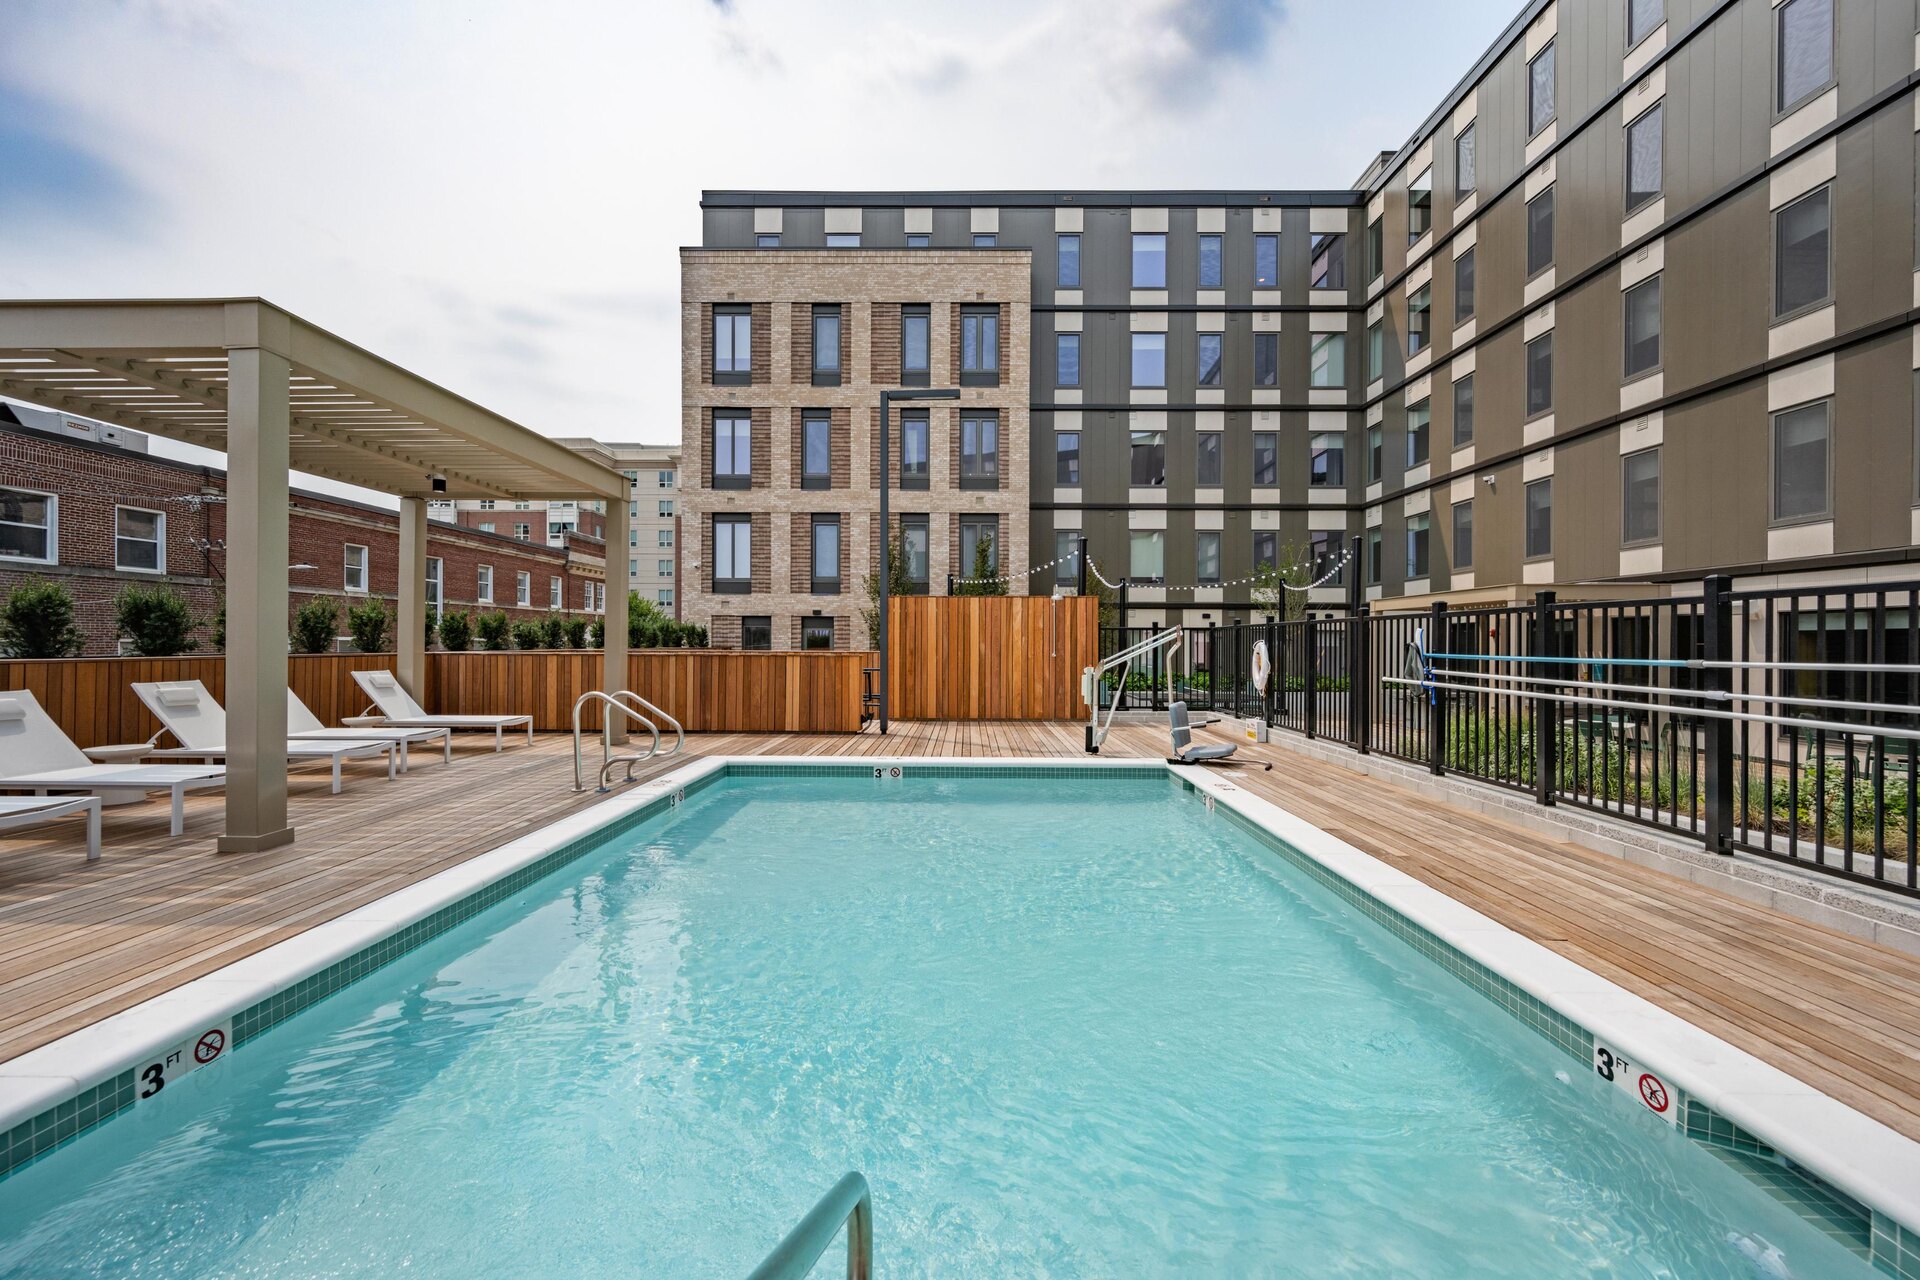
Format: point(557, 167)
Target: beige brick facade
point(783, 287)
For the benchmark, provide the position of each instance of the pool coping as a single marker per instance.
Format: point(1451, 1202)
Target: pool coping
point(70, 1085)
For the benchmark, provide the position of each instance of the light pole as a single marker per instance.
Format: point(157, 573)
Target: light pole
point(886, 538)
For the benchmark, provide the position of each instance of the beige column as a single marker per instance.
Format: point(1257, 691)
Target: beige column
point(257, 431)
point(410, 644)
point(613, 672)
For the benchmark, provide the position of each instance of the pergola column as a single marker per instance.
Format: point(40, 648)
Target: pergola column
point(410, 644)
point(613, 672)
point(257, 545)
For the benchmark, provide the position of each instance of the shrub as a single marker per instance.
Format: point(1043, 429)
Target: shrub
point(492, 631)
point(456, 631)
point(528, 635)
point(155, 621)
point(316, 624)
point(369, 625)
point(552, 634)
point(576, 633)
point(37, 622)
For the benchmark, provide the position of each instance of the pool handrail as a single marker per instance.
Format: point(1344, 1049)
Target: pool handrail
point(607, 759)
point(849, 1203)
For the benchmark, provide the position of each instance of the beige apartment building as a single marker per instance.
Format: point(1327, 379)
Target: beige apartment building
point(784, 356)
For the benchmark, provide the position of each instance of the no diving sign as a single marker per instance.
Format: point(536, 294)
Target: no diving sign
point(1643, 1086)
point(189, 1055)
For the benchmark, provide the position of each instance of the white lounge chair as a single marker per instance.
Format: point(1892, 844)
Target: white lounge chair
point(306, 726)
point(402, 712)
point(20, 811)
point(36, 756)
point(199, 724)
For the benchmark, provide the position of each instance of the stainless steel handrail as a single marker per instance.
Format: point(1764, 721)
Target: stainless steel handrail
point(607, 759)
point(849, 1203)
point(679, 734)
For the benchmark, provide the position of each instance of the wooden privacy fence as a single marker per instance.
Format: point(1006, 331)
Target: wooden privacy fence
point(990, 657)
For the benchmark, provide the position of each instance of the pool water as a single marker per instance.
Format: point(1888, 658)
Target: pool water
point(1065, 1028)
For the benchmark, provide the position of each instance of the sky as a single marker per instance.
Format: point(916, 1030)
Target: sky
point(491, 193)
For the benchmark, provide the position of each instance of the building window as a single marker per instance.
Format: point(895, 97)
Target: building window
point(1147, 556)
point(980, 346)
point(732, 554)
point(1642, 17)
point(1376, 249)
point(1419, 419)
point(1266, 262)
point(1642, 323)
point(1327, 460)
point(1644, 167)
point(1329, 261)
point(816, 633)
point(1266, 549)
point(1373, 556)
point(919, 240)
point(1207, 359)
point(1803, 51)
point(1149, 260)
point(1266, 359)
point(1540, 108)
point(1206, 557)
point(1417, 536)
point(1640, 497)
point(1540, 233)
point(1539, 518)
point(1066, 557)
point(1149, 359)
point(1465, 179)
point(483, 585)
point(523, 589)
point(843, 240)
point(139, 540)
point(1149, 459)
point(1066, 458)
point(1066, 359)
point(826, 346)
point(1376, 350)
point(732, 452)
point(1420, 320)
point(915, 345)
point(1540, 375)
point(985, 240)
point(979, 451)
point(353, 576)
point(1327, 362)
point(1463, 534)
point(1212, 261)
point(1067, 261)
point(556, 593)
point(1463, 287)
point(1463, 412)
point(1375, 461)
point(826, 555)
point(1800, 463)
point(978, 537)
point(767, 240)
point(28, 526)
point(756, 632)
point(1802, 259)
point(1206, 460)
point(1266, 458)
point(1420, 205)
point(913, 449)
point(914, 550)
point(732, 346)
point(666, 508)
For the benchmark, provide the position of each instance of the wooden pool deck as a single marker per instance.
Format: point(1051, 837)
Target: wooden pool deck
point(80, 941)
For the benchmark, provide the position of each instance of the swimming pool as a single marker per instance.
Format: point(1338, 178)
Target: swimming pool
point(1069, 1023)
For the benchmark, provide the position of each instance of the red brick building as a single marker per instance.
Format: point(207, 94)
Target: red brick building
point(84, 505)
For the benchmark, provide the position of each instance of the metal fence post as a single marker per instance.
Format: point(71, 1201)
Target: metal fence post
point(1436, 697)
point(1311, 661)
point(1546, 712)
point(1717, 634)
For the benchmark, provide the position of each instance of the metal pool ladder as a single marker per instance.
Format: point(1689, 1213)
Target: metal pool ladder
point(849, 1203)
point(619, 701)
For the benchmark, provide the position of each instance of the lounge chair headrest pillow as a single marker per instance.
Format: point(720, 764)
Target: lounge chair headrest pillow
point(12, 709)
point(179, 695)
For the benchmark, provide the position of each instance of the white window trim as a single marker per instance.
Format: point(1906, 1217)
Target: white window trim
point(160, 539)
point(53, 528)
point(366, 569)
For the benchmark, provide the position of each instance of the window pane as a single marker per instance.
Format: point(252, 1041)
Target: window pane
point(1464, 178)
point(1266, 458)
point(1540, 518)
point(1463, 534)
point(1643, 159)
point(1148, 558)
point(1642, 17)
point(1643, 327)
point(1329, 262)
point(1067, 360)
point(1149, 466)
point(1540, 97)
point(1266, 262)
point(1640, 496)
point(1540, 374)
point(1149, 359)
point(1206, 559)
point(1068, 276)
point(1805, 51)
point(1328, 367)
point(1208, 359)
point(1210, 262)
point(1800, 462)
point(1149, 260)
point(1206, 470)
point(1540, 232)
point(1463, 287)
point(1419, 418)
point(1801, 235)
point(1266, 359)
point(1463, 411)
point(1066, 452)
point(914, 328)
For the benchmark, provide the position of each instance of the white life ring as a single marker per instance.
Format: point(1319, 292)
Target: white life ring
point(1262, 665)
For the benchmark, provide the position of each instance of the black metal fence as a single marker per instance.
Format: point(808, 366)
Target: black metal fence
point(1782, 723)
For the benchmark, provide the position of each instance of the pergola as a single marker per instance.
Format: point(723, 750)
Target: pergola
point(275, 393)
